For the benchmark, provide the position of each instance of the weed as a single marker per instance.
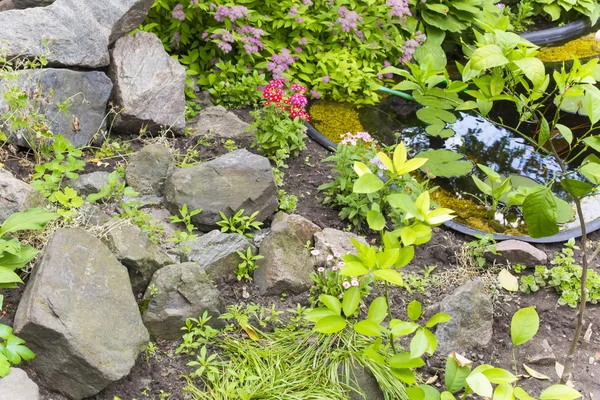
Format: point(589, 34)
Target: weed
point(239, 223)
point(248, 264)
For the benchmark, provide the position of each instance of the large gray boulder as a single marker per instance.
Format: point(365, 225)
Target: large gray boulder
point(88, 92)
point(32, 3)
point(234, 181)
point(6, 5)
point(286, 266)
point(147, 169)
point(17, 386)
point(79, 32)
point(86, 184)
point(176, 293)
point(17, 196)
point(217, 122)
point(149, 85)
point(79, 316)
point(472, 313)
point(137, 252)
point(216, 252)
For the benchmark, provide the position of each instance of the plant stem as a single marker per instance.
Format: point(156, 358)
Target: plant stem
point(387, 300)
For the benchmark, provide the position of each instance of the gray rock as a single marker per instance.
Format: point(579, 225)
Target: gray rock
point(215, 252)
point(234, 181)
point(17, 386)
point(6, 5)
point(79, 316)
point(517, 252)
point(93, 215)
point(302, 227)
point(149, 85)
point(79, 32)
point(17, 196)
point(472, 320)
point(181, 291)
point(335, 242)
point(21, 4)
point(363, 382)
point(137, 252)
point(148, 169)
point(88, 91)
point(539, 352)
point(217, 122)
point(203, 99)
point(286, 266)
point(87, 184)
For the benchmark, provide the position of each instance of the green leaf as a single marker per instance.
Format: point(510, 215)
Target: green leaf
point(414, 310)
point(480, 384)
point(378, 310)
point(499, 376)
point(8, 277)
point(376, 220)
point(508, 281)
point(402, 328)
point(15, 351)
point(405, 375)
point(403, 202)
point(418, 344)
point(447, 396)
point(389, 275)
point(593, 142)
point(331, 302)
point(331, 324)
point(316, 314)
point(431, 393)
point(405, 256)
point(455, 376)
point(368, 328)
point(591, 171)
point(503, 392)
point(566, 132)
point(403, 360)
point(437, 319)
point(5, 331)
point(540, 213)
point(351, 301)
point(533, 68)
point(577, 188)
point(488, 56)
point(368, 183)
point(524, 325)
point(354, 268)
point(387, 258)
point(32, 219)
point(544, 132)
point(560, 392)
point(415, 393)
point(445, 163)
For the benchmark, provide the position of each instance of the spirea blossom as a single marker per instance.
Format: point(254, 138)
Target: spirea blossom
point(326, 79)
point(408, 50)
point(399, 9)
point(350, 139)
point(293, 11)
point(303, 41)
point(232, 13)
point(280, 63)
point(178, 12)
point(349, 20)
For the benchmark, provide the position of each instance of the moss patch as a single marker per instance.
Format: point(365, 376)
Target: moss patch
point(333, 120)
point(580, 48)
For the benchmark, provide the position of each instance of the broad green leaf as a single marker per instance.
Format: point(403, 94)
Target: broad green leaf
point(32, 219)
point(488, 56)
point(387, 258)
point(481, 185)
point(576, 188)
point(432, 116)
point(455, 375)
point(389, 275)
point(414, 310)
point(593, 142)
point(405, 375)
point(331, 302)
point(431, 342)
point(439, 129)
point(405, 256)
point(508, 281)
point(411, 165)
point(400, 155)
point(566, 132)
point(431, 393)
point(503, 392)
point(445, 163)
point(403, 202)
point(386, 161)
point(402, 328)
point(316, 314)
point(403, 360)
point(361, 169)
point(565, 211)
point(354, 268)
point(490, 173)
point(368, 183)
point(331, 324)
point(408, 236)
point(439, 216)
point(4, 366)
point(19, 260)
point(524, 325)
point(368, 328)
point(499, 376)
point(533, 68)
point(437, 319)
point(560, 392)
point(378, 310)
point(480, 384)
point(540, 213)
point(544, 133)
point(591, 171)
point(5, 331)
point(447, 396)
point(8, 277)
point(522, 394)
point(376, 220)
point(418, 344)
point(351, 301)
point(15, 351)
point(415, 393)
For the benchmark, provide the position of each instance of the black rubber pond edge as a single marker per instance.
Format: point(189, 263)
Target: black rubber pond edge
point(457, 226)
point(560, 33)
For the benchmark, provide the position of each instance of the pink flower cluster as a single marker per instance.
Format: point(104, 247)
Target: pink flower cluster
point(350, 139)
point(399, 8)
point(178, 12)
point(225, 40)
point(410, 46)
point(293, 11)
point(280, 63)
point(232, 13)
point(275, 93)
point(349, 20)
point(251, 37)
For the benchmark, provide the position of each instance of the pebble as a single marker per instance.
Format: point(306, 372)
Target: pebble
point(592, 360)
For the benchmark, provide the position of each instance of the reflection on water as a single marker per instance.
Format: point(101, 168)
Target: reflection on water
point(478, 139)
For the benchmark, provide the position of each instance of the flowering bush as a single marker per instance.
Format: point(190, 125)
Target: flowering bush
point(279, 125)
point(335, 50)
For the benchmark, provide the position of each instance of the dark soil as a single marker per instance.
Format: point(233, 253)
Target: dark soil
point(163, 371)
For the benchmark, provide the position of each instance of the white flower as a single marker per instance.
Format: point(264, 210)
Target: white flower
point(315, 252)
point(346, 284)
point(597, 37)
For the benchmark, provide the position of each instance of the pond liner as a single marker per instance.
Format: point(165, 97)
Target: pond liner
point(560, 33)
point(462, 228)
